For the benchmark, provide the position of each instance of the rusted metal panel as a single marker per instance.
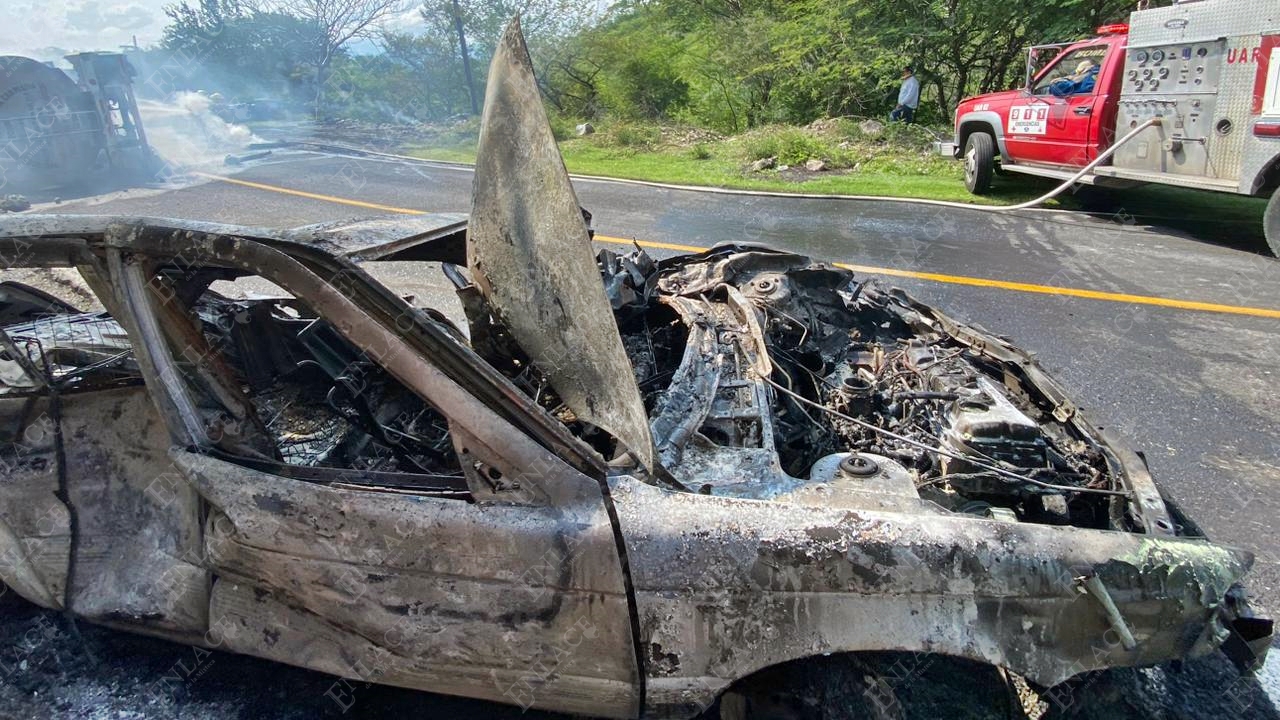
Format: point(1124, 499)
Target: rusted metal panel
point(137, 552)
point(438, 236)
point(35, 526)
point(728, 586)
point(138, 543)
point(508, 603)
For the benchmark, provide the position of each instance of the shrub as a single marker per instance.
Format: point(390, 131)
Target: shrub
point(562, 128)
point(700, 152)
point(795, 146)
point(906, 135)
point(758, 145)
point(792, 146)
point(629, 135)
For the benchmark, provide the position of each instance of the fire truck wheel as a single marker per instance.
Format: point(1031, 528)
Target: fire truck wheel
point(1271, 223)
point(979, 162)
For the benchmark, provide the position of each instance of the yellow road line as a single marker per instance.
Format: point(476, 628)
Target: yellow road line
point(869, 269)
point(650, 244)
point(313, 196)
point(1069, 292)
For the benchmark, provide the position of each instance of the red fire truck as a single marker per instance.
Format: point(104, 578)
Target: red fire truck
point(1185, 95)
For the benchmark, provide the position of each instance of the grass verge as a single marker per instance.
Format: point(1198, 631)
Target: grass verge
point(683, 169)
point(889, 161)
point(893, 161)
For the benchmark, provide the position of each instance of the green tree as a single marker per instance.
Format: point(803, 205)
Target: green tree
point(429, 63)
point(476, 25)
point(334, 24)
point(743, 63)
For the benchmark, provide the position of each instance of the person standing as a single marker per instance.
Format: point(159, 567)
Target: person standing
point(908, 97)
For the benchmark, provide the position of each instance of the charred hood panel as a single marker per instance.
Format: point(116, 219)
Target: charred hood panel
point(530, 255)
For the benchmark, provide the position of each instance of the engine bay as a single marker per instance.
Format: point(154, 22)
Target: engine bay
point(781, 368)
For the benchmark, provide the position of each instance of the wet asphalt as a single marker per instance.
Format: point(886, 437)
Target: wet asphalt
point(1195, 391)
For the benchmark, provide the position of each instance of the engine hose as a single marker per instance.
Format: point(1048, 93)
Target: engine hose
point(1020, 477)
point(1150, 122)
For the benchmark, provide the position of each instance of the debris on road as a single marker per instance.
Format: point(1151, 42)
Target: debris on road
point(247, 157)
point(14, 203)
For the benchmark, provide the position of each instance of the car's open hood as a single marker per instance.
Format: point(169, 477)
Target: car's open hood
point(530, 255)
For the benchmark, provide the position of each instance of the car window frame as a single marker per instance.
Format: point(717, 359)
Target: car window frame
point(487, 438)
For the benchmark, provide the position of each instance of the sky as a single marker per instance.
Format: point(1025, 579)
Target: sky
point(49, 29)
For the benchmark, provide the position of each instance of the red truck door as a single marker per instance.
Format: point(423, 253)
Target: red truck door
point(1059, 120)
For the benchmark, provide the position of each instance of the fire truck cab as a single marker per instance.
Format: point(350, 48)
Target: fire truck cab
point(1207, 71)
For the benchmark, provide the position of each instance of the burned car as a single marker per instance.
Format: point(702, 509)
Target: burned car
point(736, 482)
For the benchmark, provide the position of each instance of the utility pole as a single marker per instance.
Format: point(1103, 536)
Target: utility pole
point(466, 59)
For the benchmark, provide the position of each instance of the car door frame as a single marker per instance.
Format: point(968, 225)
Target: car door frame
point(565, 560)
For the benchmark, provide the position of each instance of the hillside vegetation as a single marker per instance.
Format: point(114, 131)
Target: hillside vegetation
point(723, 65)
point(762, 94)
point(841, 156)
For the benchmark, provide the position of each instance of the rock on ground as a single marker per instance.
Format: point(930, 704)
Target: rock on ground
point(871, 128)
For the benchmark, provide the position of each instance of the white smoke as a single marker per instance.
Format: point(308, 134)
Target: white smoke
point(185, 131)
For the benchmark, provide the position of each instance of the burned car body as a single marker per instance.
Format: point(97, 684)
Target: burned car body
point(771, 463)
point(336, 479)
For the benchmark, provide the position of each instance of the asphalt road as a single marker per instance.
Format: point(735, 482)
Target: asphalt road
point(1194, 389)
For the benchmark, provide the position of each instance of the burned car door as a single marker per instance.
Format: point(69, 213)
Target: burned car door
point(355, 510)
point(81, 527)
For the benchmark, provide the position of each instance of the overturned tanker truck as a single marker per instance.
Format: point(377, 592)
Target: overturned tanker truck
point(738, 483)
point(59, 132)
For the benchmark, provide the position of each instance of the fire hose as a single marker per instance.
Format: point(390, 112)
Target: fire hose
point(1102, 157)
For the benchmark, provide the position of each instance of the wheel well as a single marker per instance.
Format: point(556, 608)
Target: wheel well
point(974, 126)
point(879, 677)
point(1268, 180)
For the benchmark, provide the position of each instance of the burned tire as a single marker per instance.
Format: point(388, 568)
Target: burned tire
point(1271, 223)
point(979, 162)
point(823, 696)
